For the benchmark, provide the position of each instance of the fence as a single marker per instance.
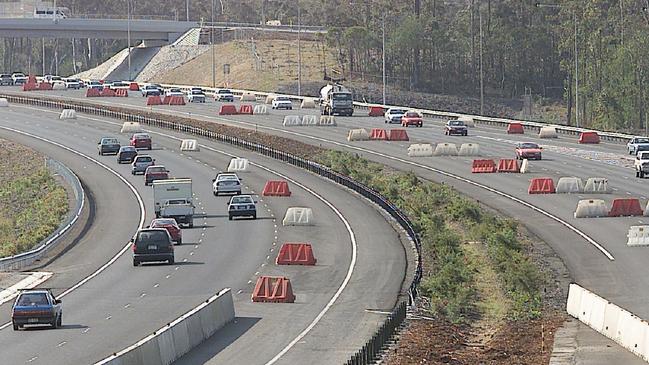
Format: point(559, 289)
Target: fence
point(25, 259)
point(369, 352)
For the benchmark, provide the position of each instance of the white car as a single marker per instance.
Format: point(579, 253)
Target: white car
point(72, 83)
point(174, 92)
point(282, 102)
point(196, 95)
point(224, 95)
point(19, 78)
point(226, 183)
point(393, 115)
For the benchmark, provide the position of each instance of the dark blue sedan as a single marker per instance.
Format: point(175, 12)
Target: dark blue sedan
point(36, 307)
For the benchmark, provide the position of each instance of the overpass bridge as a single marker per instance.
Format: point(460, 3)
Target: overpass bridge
point(162, 31)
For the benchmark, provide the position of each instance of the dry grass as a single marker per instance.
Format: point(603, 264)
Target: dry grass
point(278, 65)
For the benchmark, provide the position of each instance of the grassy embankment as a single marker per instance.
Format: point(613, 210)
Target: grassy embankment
point(32, 203)
point(475, 267)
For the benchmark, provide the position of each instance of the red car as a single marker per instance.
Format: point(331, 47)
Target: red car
point(155, 172)
point(141, 140)
point(171, 226)
point(412, 117)
point(528, 150)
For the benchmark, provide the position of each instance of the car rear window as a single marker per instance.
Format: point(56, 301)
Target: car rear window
point(397, 111)
point(642, 140)
point(163, 222)
point(33, 299)
point(227, 183)
point(144, 159)
point(156, 169)
point(456, 123)
point(529, 145)
point(110, 141)
point(412, 114)
point(241, 200)
point(141, 136)
point(147, 237)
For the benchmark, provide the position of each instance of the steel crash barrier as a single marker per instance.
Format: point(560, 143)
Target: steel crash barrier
point(375, 345)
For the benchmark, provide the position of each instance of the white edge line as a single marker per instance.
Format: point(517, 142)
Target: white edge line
point(130, 186)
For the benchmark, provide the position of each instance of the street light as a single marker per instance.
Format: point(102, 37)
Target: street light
point(128, 32)
point(299, 53)
point(383, 52)
point(574, 13)
point(212, 47)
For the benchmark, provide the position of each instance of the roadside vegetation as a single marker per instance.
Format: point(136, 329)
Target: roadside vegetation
point(32, 203)
point(474, 264)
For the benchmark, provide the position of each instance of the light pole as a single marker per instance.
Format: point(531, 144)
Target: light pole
point(187, 9)
point(212, 47)
point(574, 14)
point(383, 52)
point(481, 71)
point(128, 32)
point(299, 53)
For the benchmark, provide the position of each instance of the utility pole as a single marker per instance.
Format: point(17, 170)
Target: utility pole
point(383, 54)
point(128, 32)
point(299, 53)
point(212, 48)
point(187, 9)
point(43, 43)
point(576, 75)
point(481, 71)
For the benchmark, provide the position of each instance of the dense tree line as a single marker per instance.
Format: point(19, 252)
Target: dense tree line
point(437, 45)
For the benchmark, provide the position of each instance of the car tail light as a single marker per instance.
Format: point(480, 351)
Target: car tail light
point(133, 246)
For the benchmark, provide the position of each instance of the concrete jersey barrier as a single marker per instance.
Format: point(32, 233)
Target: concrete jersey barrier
point(170, 342)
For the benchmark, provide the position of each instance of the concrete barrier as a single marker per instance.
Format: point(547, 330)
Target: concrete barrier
point(420, 150)
point(4, 103)
point(189, 145)
point(469, 149)
point(131, 127)
point(569, 185)
point(596, 185)
point(638, 236)
point(307, 103)
point(310, 120)
point(468, 121)
point(358, 135)
point(177, 338)
point(68, 114)
point(445, 149)
point(607, 318)
point(591, 208)
point(548, 132)
point(327, 120)
point(248, 97)
point(238, 165)
point(525, 166)
point(270, 98)
point(59, 86)
point(292, 120)
point(260, 109)
point(298, 216)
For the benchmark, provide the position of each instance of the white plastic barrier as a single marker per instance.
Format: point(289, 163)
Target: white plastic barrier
point(618, 324)
point(189, 145)
point(468, 121)
point(638, 236)
point(307, 103)
point(292, 120)
point(131, 127)
point(4, 103)
point(525, 166)
point(469, 149)
point(569, 185)
point(646, 210)
point(548, 132)
point(248, 97)
point(260, 109)
point(59, 86)
point(177, 338)
point(238, 165)
point(270, 98)
point(591, 208)
point(309, 120)
point(358, 135)
point(68, 114)
point(596, 185)
point(327, 120)
point(298, 216)
point(420, 150)
point(445, 149)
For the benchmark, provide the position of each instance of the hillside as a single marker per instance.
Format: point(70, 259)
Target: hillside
point(275, 67)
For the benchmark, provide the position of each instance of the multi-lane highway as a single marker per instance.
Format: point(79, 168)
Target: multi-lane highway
point(594, 249)
point(361, 262)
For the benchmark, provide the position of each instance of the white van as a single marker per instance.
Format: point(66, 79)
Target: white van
point(49, 13)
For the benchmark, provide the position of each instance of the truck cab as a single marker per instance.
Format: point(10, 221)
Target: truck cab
point(641, 164)
point(336, 99)
point(637, 144)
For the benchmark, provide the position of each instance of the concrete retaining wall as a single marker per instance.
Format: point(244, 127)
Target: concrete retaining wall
point(172, 341)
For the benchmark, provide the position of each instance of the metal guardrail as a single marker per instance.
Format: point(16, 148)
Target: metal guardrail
point(532, 126)
point(25, 259)
point(369, 352)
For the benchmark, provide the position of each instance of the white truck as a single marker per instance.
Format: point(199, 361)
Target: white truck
point(336, 99)
point(641, 164)
point(173, 198)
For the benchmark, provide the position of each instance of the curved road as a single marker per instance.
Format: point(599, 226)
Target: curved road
point(615, 271)
point(123, 303)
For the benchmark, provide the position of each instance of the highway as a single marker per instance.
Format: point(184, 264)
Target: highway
point(123, 303)
point(600, 262)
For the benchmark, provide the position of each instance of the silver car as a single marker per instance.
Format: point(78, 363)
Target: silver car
point(140, 163)
point(226, 183)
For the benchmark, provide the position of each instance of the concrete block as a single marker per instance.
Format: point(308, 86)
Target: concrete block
point(445, 149)
point(469, 149)
point(569, 185)
point(420, 150)
point(292, 121)
point(238, 165)
point(298, 216)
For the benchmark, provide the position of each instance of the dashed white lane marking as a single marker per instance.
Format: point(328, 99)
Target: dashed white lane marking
point(156, 285)
point(61, 344)
point(167, 277)
point(86, 330)
point(109, 317)
point(240, 291)
point(249, 281)
point(126, 306)
point(32, 359)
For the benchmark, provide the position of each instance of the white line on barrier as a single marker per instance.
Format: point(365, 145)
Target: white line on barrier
point(130, 186)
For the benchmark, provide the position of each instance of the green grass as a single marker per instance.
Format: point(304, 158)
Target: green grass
point(32, 205)
point(454, 275)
